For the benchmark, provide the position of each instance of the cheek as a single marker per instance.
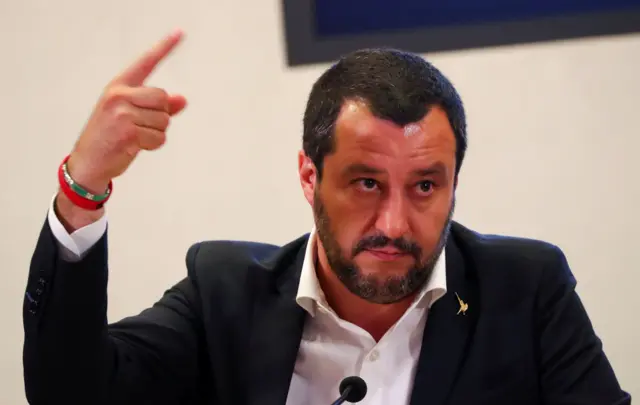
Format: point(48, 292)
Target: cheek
point(429, 223)
point(346, 208)
point(349, 222)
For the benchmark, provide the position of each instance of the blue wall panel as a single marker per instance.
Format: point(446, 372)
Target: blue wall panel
point(347, 17)
point(319, 31)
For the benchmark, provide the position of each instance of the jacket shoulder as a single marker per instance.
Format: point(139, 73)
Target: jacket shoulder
point(512, 273)
point(204, 254)
point(504, 248)
point(512, 262)
point(237, 258)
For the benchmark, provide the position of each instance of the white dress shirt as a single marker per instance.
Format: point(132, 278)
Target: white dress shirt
point(331, 348)
point(73, 247)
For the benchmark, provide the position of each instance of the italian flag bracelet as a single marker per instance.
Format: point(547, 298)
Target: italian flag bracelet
point(78, 195)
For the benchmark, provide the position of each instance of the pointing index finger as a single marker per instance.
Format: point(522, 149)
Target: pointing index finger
point(136, 74)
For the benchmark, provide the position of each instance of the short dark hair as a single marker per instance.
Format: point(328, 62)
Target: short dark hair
point(396, 85)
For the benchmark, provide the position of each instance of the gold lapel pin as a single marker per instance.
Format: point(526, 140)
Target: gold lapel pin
point(463, 306)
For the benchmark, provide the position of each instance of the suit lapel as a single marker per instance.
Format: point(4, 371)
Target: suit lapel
point(277, 324)
point(446, 333)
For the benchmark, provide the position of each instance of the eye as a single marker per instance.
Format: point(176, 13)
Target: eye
point(367, 184)
point(425, 187)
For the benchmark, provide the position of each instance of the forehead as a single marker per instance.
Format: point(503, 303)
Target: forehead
point(359, 134)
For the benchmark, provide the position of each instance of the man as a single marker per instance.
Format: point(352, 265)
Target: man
point(386, 286)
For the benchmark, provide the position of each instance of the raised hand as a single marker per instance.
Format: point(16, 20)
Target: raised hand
point(128, 118)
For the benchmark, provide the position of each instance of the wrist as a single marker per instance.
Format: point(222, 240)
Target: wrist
point(83, 177)
point(73, 217)
point(79, 195)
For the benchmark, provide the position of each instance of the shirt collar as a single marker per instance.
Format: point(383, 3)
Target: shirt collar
point(310, 294)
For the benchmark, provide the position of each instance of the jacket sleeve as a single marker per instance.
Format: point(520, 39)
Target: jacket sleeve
point(71, 355)
point(574, 369)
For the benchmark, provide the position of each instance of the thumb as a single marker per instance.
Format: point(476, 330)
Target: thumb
point(177, 103)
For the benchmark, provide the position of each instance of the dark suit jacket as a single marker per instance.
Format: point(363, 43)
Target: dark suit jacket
point(228, 334)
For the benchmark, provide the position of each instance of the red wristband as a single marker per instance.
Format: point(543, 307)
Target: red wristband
point(76, 194)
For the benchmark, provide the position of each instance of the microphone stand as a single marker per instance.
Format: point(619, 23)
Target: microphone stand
point(343, 397)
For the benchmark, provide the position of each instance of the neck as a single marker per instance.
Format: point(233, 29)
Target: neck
point(376, 319)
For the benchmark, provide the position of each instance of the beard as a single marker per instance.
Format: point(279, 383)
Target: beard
point(371, 287)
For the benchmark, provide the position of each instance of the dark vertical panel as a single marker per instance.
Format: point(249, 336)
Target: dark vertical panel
point(320, 31)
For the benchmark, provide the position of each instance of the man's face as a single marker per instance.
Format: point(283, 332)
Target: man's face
point(385, 202)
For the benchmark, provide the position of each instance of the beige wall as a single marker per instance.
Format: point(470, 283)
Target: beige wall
point(553, 132)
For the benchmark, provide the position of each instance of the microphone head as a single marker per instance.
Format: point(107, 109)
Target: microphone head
point(358, 388)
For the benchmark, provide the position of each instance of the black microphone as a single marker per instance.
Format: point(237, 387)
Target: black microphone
point(352, 389)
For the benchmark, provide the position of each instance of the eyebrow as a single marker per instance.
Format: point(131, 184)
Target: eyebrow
point(436, 168)
point(361, 168)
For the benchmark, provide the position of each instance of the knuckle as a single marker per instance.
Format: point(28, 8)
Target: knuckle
point(161, 138)
point(165, 120)
point(161, 94)
point(123, 115)
point(161, 97)
point(129, 132)
point(114, 96)
point(153, 140)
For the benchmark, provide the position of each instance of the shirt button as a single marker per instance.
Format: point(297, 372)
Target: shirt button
point(374, 355)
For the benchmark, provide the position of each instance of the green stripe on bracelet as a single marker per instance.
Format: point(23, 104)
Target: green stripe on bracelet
point(81, 191)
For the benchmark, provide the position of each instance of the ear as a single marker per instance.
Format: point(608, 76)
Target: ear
point(307, 173)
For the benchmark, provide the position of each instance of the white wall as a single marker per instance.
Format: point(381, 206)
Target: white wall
point(553, 133)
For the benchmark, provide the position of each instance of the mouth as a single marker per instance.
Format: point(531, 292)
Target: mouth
point(387, 254)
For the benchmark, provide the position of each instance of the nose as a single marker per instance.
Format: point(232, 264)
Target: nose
point(393, 216)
